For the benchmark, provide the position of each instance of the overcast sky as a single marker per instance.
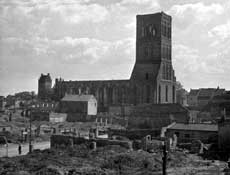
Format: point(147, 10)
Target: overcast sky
point(95, 39)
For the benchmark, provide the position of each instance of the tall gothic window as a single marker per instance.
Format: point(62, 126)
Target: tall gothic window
point(166, 93)
point(159, 94)
point(173, 97)
point(164, 71)
point(170, 54)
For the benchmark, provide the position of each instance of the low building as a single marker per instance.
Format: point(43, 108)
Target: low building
point(82, 104)
point(45, 129)
point(188, 132)
point(156, 116)
point(5, 128)
point(224, 135)
point(2, 105)
point(201, 97)
point(44, 106)
point(42, 109)
point(193, 115)
point(219, 106)
point(181, 97)
point(57, 117)
point(192, 97)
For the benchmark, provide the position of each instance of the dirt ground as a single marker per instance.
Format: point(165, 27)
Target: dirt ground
point(109, 160)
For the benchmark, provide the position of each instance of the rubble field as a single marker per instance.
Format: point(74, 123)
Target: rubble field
point(109, 160)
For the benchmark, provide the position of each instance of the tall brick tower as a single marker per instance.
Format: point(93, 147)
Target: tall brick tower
point(44, 87)
point(153, 68)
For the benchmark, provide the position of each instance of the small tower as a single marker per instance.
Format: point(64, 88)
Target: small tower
point(44, 87)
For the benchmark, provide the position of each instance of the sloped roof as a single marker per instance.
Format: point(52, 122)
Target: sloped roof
point(207, 92)
point(83, 97)
point(194, 127)
point(57, 115)
point(159, 108)
point(193, 92)
point(219, 92)
point(153, 69)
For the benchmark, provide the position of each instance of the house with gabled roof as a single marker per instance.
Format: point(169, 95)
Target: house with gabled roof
point(189, 132)
point(78, 105)
point(201, 97)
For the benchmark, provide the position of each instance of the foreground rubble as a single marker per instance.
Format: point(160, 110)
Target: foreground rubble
point(109, 160)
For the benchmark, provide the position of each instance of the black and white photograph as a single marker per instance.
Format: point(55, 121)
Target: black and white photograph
point(114, 87)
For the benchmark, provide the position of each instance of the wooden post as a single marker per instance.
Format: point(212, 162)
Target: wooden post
point(164, 158)
point(30, 139)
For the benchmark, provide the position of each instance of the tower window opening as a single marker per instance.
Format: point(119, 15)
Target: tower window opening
point(146, 76)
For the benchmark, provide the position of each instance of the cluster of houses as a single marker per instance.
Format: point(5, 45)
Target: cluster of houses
point(188, 123)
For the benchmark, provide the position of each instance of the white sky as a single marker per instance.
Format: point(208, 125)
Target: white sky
point(95, 39)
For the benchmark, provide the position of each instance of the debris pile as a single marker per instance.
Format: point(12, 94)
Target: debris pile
point(108, 160)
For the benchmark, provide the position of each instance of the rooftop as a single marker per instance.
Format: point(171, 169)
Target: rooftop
point(193, 91)
point(207, 92)
point(83, 97)
point(194, 127)
point(160, 108)
point(57, 115)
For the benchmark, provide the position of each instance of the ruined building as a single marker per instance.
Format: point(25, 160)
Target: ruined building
point(152, 79)
point(44, 87)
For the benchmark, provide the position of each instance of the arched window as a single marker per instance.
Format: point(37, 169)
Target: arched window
point(159, 94)
point(164, 71)
point(166, 93)
point(170, 53)
point(173, 97)
point(167, 72)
